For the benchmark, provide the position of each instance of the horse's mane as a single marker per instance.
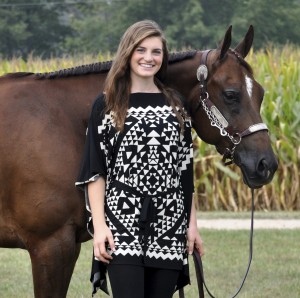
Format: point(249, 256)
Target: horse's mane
point(16, 75)
point(104, 67)
point(100, 67)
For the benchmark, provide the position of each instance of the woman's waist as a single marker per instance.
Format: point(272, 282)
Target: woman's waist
point(144, 191)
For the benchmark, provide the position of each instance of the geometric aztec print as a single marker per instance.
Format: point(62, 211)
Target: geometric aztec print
point(151, 157)
point(148, 172)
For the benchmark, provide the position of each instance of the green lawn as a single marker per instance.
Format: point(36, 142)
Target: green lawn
point(275, 269)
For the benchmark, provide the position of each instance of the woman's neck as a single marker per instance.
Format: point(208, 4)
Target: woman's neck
point(147, 86)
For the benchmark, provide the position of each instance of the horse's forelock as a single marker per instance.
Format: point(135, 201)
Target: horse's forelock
point(241, 60)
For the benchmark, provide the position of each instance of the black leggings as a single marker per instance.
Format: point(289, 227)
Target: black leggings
point(129, 281)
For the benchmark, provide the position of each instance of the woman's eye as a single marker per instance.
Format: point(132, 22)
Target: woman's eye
point(140, 50)
point(157, 52)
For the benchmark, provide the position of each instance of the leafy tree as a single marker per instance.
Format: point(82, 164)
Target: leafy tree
point(180, 20)
point(46, 29)
point(217, 17)
point(275, 21)
point(26, 29)
point(94, 29)
point(186, 29)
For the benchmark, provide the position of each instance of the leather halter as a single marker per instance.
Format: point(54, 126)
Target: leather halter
point(216, 117)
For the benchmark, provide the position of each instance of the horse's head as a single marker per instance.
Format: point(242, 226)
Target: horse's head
point(226, 111)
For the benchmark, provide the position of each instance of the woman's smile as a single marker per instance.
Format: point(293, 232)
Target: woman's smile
point(146, 65)
point(146, 59)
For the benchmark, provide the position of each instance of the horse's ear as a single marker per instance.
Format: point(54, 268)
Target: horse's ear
point(245, 45)
point(225, 45)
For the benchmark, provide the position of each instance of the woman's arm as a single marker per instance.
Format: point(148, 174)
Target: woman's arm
point(102, 233)
point(194, 238)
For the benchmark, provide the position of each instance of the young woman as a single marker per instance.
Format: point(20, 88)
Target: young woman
point(137, 171)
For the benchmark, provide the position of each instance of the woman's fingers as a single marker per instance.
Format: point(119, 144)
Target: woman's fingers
point(111, 242)
point(199, 246)
point(100, 247)
point(191, 246)
point(105, 256)
point(101, 253)
point(191, 237)
point(195, 241)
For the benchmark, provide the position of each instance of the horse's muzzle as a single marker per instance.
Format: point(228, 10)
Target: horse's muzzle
point(262, 173)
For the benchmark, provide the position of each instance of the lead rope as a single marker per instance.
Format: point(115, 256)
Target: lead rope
point(217, 119)
point(199, 266)
point(250, 243)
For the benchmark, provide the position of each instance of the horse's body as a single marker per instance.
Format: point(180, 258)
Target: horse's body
point(42, 132)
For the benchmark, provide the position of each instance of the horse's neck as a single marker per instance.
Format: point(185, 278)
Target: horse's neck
point(182, 76)
point(80, 93)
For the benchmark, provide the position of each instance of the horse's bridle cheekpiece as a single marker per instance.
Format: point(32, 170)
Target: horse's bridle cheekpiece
point(216, 117)
point(218, 120)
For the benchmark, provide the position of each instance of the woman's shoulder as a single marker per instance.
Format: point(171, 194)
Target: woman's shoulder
point(99, 103)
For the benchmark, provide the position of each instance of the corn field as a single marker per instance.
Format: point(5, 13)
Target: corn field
point(218, 187)
point(222, 188)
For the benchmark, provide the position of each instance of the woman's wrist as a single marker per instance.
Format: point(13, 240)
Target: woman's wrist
point(99, 225)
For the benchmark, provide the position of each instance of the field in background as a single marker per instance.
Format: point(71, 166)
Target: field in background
point(217, 187)
point(220, 188)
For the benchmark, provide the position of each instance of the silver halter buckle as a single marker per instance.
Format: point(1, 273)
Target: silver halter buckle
point(202, 72)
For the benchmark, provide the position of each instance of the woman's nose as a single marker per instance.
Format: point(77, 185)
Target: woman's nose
point(148, 56)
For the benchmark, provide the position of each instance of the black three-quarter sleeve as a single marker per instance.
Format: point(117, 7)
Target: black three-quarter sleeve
point(96, 156)
point(94, 162)
point(186, 166)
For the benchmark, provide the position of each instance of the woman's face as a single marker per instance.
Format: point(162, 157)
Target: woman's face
point(147, 58)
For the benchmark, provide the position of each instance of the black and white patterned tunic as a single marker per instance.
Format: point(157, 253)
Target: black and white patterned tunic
point(149, 181)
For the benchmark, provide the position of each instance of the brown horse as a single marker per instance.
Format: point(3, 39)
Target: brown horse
point(42, 131)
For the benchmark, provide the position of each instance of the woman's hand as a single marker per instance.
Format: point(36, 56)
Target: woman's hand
point(194, 240)
point(102, 236)
point(102, 233)
point(193, 236)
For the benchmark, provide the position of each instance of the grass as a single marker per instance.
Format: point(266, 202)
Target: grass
point(274, 272)
point(275, 266)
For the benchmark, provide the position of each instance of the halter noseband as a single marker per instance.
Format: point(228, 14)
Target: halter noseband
point(218, 120)
point(216, 117)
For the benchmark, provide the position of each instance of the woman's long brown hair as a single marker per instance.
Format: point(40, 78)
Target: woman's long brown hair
point(118, 82)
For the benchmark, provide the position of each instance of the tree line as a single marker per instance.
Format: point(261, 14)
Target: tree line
point(59, 27)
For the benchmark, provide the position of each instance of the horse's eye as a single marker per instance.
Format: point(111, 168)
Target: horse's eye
point(231, 96)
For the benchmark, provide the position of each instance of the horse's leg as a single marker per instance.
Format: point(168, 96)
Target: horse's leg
point(53, 260)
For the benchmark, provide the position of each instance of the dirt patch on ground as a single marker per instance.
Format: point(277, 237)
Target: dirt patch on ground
point(244, 224)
